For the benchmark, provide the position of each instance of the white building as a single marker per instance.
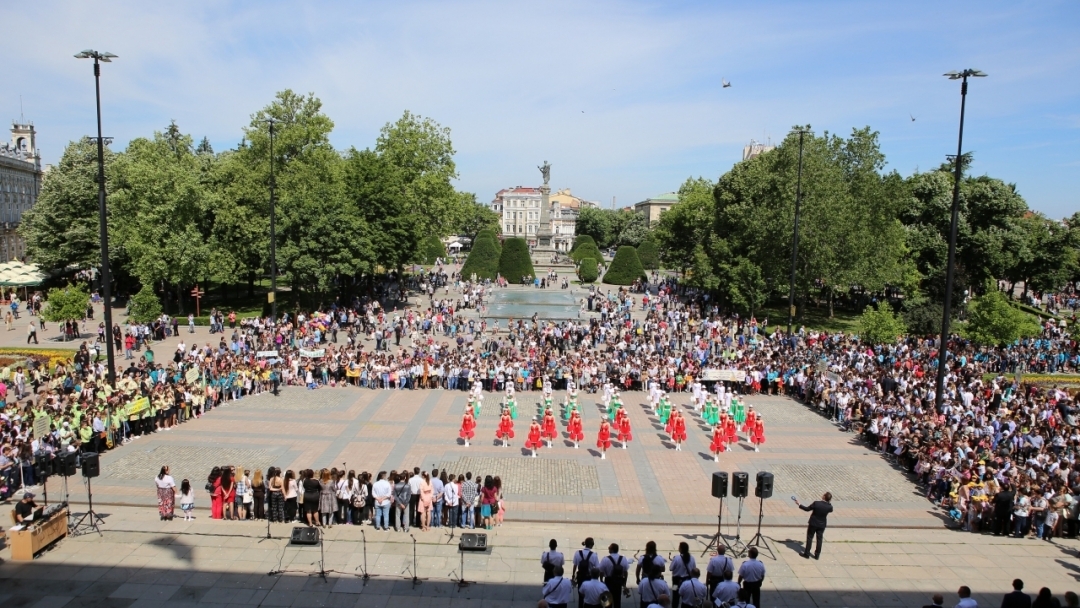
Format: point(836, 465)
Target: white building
point(20, 183)
point(520, 211)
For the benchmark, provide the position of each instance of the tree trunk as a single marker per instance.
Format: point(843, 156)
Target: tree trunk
point(830, 292)
point(179, 300)
point(251, 285)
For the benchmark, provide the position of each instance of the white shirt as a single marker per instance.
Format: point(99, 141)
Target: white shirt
point(382, 491)
point(165, 482)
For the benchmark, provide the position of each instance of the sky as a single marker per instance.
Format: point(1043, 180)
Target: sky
point(624, 99)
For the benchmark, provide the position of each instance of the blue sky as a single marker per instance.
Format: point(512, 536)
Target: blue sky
point(623, 98)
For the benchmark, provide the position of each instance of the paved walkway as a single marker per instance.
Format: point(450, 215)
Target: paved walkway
point(140, 561)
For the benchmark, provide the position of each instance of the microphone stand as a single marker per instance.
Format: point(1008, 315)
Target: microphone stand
point(415, 579)
point(364, 569)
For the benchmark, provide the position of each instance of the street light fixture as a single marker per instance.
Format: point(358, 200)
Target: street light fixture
point(795, 238)
point(106, 275)
point(939, 389)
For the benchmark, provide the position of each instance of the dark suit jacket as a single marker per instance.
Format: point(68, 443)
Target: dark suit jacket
point(819, 511)
point(1016, 599)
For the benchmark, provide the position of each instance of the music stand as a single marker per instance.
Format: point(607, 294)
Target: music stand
point(758, 540)
point(718, 539)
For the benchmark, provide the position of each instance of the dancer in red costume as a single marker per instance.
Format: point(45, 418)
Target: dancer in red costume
point(676, 429)
point(750, 415)
point(548, 432)
point(574, 429)
point(468, 427)
point(506, 429)
point(757, 432)
point(603, 438)
point(622, 424)
point(533, 442)
point(718, 441)
point(731, 434)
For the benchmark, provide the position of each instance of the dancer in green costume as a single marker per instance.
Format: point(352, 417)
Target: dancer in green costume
point(738, 411)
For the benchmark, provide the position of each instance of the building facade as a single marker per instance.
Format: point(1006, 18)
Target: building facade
point(755, 148)
point(20, 183)
point(653, 207)
point(519, 208)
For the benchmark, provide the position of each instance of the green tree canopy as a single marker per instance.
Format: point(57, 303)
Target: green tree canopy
point(649, 254)
point(483, 260)
point(145, 305)
point(515, 260)
point(587, 270)
point(686, 225)
point(993, 321)
point(66, 303)
point(880, 325)
point(625, 268)
point(432, 249)
point(587, 250)
point(476, 217)
point(594, 223)
point(581, 239)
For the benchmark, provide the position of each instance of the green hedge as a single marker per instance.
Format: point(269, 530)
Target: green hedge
point(515, 261)
point(483, 260)
point(587, 250)
point(625, 268)
point(488, 232)
point(581, 239)
point(649, 255)
point(587, 270)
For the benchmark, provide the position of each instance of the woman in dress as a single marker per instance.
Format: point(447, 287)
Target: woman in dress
point(427, 501)
point(717, 444)
point(213, 487)
point(506, 429)
point(575, 430)
point(603, 438)
point(468, 427)
point(622, 425)
point(276, 487)
point(291, 489)
point(533, 441)
point(678, 429)
point(228, 493)
point(757, 432)
point(166, 494)
point(327, 497)
point(258, 496)
point(548, 431)
point(312, 489)
point(489, 500)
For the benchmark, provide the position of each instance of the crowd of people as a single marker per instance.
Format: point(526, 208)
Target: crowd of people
point(999, 454)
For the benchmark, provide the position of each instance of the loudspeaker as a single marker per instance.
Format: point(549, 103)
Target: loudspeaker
point(764, 484)
point(304, 536)
point(473, 542)
point(91, 464)
point(43, 467)
point(67, 465)
point(740, 484)
point(719, 484)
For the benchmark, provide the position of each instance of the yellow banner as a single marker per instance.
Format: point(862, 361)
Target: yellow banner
point(137, 406)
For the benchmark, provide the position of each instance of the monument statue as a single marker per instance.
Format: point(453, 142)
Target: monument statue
point(545, 170)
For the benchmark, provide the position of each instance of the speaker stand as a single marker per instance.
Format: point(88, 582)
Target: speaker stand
point(92, 524)
point(758, 540)
point(718, 539)
point(738, 548)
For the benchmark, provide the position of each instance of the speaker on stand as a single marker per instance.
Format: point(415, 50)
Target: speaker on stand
point(763, 490)
point(719, 490)
point(91, 467)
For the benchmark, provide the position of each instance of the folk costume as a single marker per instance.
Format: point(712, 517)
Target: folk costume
point(731, 434)
point(533, 441)
point(663, 410)
point(603, 438)
point(710, 413)
point(468, 427)
point(757, 432)
point(506, 429)
point(548, 431)
point(718, 443)
point(744, 426)
point(575, 430)
point(676, 429)
point(622, 424)
point(511, 406)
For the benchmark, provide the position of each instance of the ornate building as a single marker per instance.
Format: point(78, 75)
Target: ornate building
point(520, 211)
point(20, 183)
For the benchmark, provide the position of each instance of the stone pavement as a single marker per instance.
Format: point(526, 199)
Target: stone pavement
point(139, 561)
point(648, 483)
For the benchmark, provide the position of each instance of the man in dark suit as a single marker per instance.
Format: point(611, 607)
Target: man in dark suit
point(819, 511)
point(1003, 504)
point(1016, 599)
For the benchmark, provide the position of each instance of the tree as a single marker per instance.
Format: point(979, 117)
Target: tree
point(432, 249)
point(581, 239)
point(993, 321)
point(587, 270)
point(627, 228)
point(145, 305)
point(66, 304)
point(587, 250)
point(924, 319)
point(515, 261)
point(483, 260)
point(649, 254)
point(686, 225)
point(880, 325)
point(625, 268)
point(595, 223)
point(374, 188)
point(61, 229)
point(746, 289)
point(476, 217)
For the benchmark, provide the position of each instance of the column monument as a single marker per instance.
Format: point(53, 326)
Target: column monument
point(544, 252)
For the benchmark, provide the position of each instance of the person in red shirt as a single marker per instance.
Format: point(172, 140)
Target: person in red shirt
point(717, 444)
point(677, 429)
point(757, 432)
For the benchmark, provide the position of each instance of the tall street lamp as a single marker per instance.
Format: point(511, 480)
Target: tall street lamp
point(949, 269)
point(795, 238)
point(273, 230)
point(106, 275)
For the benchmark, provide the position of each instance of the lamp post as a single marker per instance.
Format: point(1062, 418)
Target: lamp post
point(106, 274)
point(939, 389)
point(795, 238)
point(273, 230)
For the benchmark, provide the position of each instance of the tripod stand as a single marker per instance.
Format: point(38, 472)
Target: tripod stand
point(364, 569)
point(759, 541)
point(718, 539)
point(94, 517)
point(737, 547)
point(416, 580)
point(322, 559)
point(460, 580)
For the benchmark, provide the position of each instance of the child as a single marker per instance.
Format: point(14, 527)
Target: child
point(187, 500)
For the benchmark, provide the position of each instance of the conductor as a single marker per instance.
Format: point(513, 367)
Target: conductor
point(819, 511)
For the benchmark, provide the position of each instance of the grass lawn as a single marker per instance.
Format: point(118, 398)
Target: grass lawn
point(812, 318)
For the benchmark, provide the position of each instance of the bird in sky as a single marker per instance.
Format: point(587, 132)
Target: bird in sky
point(725, 83)
point(912, 118)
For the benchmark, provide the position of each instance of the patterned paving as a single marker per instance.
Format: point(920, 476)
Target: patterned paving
point(846, 483)
point(301, 400)
point(538, 477)
point(185, 462)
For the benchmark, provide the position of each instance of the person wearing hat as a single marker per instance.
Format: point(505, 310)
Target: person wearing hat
point(25, 508)
point(585, 560)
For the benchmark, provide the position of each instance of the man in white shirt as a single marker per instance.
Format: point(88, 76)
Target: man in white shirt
point(382, 492)
point(966, 601)
point(414, 497)
point(557, 590)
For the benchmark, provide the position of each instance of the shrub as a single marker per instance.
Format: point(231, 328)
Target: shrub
point(483, 260)
point(515, 261)
point(145, 305)
point(880, 325)
point(581, 239)
point(924, 320)
point(488, 232)
point(625, 268)
point(649, 255)
point(993, 321)
point(66, 304)
point(431, 249)
point(587, 270)
point(587, 250)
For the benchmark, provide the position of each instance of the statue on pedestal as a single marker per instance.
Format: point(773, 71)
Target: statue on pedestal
point(545, 170)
